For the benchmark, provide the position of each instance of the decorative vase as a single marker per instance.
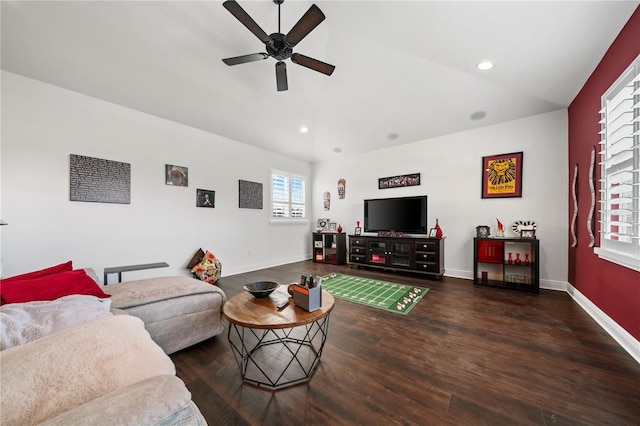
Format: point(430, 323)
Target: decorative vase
point(518, 261)
point(339, 228)
point(510, 260)
point(526, 258)
point(438, 230)
point(500, 230)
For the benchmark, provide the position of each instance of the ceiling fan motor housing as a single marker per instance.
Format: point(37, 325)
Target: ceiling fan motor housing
point(278, 48)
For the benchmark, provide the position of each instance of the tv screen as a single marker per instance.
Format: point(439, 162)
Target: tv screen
point(406, 214)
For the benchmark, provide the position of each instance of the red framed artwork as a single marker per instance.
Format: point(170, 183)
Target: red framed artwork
point(502, 175)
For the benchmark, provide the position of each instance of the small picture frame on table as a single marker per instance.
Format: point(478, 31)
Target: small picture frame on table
point(358, 231)
point(527, 233)
point(433, 233)
point(483, 231)
point(333, 226)
point(323, 224)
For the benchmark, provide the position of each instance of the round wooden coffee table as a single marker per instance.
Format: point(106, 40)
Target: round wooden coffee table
point(276, 348)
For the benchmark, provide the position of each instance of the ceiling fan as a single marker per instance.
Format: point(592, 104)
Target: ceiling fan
point(278, 45)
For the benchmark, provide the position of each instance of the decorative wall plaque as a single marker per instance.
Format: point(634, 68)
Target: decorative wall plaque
point(250, 195)
point(98, 180)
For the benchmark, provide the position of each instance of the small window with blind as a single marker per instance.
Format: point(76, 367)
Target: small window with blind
point(288, 197)
point(620, 170)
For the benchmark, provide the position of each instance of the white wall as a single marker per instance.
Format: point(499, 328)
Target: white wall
point(43, 124)
point(450, 168)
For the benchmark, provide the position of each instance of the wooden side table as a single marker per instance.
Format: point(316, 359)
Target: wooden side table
point(276, 348)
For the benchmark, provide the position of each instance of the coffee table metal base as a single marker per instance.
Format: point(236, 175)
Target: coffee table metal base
point(278, 357)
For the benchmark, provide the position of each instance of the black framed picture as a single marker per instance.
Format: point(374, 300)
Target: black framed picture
point(205, 198)
point(483, 231)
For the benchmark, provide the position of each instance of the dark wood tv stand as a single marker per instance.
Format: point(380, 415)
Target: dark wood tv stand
point(412, 254)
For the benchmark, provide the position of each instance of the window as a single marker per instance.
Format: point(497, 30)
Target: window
point(620, 170)
point(288, 199)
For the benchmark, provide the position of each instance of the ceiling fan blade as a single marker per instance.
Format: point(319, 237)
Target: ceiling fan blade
point(245, 58)
point(246, 20)
point(281, 76)
point(308, 22)
point(313, 64)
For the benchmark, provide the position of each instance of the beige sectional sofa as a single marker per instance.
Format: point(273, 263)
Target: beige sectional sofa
point(103, 372)
point(114, 370)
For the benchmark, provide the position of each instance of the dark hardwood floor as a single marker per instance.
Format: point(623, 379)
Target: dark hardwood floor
point(464, 355)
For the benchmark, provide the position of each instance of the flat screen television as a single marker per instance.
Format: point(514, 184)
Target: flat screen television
point(405, 214)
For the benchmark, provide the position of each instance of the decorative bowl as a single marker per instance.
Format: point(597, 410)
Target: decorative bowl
point(261, 289)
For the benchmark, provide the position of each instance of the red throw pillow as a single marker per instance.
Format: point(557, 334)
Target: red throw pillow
point(63, 267)
point(50, 287)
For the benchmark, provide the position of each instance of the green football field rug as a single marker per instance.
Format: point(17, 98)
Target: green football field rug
point(391, 297)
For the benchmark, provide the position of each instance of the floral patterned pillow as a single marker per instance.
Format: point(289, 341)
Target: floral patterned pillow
point(209, 269)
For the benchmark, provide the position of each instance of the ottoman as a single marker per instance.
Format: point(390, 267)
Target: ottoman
point(177, 311)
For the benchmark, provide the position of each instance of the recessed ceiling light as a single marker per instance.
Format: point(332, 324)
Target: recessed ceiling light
point(304, 129)
point(337, 150)
point(486, 65)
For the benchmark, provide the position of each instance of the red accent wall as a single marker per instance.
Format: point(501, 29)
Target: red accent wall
point(613, 288)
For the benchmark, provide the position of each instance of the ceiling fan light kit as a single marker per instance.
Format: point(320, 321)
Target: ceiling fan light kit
point(280, 46)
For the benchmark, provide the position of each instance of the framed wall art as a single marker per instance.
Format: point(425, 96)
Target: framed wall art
point(176, 175)
point(250, 194)
point(99, 180)
point(502, 175)
point(205, 198)
point(399, 181)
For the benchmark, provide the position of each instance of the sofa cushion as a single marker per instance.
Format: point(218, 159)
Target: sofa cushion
point(209, 269)
point(63, 267)
point(197, 258)
point(49, 376)
point(160, 400)
point(25, 322)
point(151, 290)
point(50, 287)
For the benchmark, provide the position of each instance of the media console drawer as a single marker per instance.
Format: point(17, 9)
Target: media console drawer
point(357, 250)
point(427, 246)
point(427, 267)
point(426, 257)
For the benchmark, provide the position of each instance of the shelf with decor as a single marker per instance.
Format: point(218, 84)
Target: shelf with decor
point(329, 247)
point(511, 263)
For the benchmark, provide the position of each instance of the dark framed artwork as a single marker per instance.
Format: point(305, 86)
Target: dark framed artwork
point(250, 194)
point(176, 175)
point(99, 180)
point(399, 181)
point(502, 175)
point(205, 198)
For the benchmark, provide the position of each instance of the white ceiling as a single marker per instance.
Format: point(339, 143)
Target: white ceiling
point(404, 68)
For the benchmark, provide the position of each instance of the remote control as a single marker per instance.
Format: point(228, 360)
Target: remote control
point(282, 304)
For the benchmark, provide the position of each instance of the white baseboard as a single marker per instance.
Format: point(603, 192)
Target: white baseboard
point(619, 334)
point(553, 285)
